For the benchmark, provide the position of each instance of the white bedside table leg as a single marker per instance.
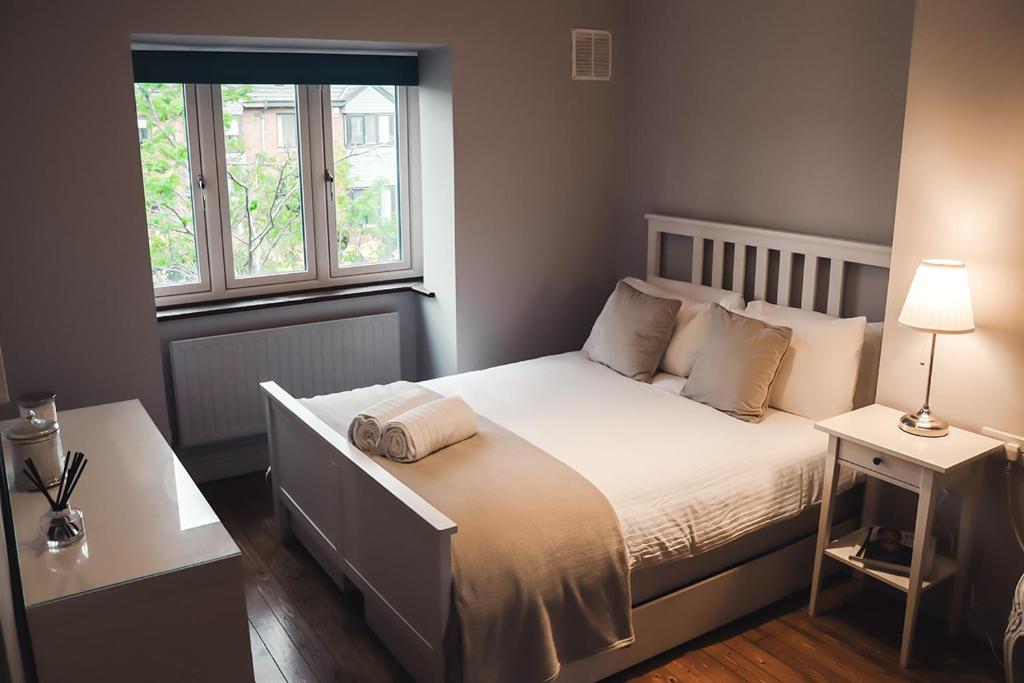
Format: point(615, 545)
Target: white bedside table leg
point(825, 520)
point(964, 545)
point(922, 530)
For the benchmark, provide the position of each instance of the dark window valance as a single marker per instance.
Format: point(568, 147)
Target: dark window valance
point(197, 66)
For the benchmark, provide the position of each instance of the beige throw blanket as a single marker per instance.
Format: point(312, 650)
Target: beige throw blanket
point(540, 571)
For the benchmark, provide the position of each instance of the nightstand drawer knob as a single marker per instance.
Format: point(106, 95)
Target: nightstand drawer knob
point(876, 460)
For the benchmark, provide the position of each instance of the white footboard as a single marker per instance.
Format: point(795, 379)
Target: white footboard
point(364, 526)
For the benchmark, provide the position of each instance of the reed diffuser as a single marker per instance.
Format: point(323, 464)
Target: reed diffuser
point(62, 524)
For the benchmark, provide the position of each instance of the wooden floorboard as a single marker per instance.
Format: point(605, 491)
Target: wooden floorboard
point(304, 628)
point(263, 665)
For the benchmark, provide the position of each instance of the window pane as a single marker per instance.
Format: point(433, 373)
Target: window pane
point(167, 181)
point(286, 131)
point(365, 174)
point(354, 133)
point(264, 185)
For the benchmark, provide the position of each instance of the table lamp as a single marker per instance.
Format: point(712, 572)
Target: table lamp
point(939, 302)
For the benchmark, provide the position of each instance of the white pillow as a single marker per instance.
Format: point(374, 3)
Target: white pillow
point(870, 358)
point(818, 376)
point(725, 298)
point(693, 320)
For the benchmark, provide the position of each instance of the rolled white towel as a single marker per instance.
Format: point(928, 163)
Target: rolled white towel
point(427, 428)
point(367, 427)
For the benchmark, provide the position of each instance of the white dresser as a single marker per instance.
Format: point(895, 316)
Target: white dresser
point(155, 591)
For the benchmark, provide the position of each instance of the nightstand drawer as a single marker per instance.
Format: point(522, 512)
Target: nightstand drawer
point(883, 464)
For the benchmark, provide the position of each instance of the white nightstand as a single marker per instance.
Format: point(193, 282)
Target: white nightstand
point(869, 440)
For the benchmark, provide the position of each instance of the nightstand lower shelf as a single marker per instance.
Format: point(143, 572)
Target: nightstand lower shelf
point(842, 548)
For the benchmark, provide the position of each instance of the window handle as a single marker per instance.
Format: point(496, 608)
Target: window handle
point(201, 181)
point(329, 179)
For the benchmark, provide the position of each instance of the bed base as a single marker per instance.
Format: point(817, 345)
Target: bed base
point(370, 531)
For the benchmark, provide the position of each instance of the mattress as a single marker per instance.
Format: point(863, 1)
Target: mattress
point(684, 479)
point(655, 579)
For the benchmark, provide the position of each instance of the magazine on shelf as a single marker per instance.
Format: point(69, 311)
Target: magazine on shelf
point(891, 550)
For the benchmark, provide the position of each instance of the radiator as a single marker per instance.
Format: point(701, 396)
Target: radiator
point(216, 379)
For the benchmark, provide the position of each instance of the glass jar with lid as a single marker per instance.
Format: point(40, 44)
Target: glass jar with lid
point(37, 438)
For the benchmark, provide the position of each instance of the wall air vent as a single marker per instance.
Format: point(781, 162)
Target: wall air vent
point(591, 55)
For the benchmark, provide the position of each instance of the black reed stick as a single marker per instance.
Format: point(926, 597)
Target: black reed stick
point(74, 466)
point(63, 476)
point(33, 475)
point(69, 475)
point(76, 474)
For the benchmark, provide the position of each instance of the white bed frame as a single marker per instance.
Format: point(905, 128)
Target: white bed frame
point(370, 531)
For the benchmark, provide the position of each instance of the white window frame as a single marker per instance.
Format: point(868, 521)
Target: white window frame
point(198, 193)
point(404, 214)
point(208, 164)
point(231, 280)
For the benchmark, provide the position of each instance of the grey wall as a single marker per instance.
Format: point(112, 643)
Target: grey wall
point(76, 314)
point(536, 170)
point(438, 345)
point(784, 114)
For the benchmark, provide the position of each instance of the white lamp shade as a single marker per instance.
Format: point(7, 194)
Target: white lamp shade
point(939, 299)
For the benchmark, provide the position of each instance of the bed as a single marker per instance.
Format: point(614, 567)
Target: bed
point(713, 531)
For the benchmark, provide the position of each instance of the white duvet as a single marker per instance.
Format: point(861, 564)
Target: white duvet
point(682, 477)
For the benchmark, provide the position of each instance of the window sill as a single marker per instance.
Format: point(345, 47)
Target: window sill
point(182, 311)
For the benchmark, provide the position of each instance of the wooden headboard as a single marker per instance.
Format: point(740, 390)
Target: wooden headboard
point(715, 236)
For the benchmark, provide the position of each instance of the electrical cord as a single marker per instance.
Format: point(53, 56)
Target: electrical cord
point(976, 627)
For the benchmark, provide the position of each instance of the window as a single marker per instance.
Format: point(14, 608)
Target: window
point(384, 128)
point(366, 228)
point(264, 185)
point(238, 202)
point(369, 129)
point(287, 134)
point(355, 135)
point(175, 227)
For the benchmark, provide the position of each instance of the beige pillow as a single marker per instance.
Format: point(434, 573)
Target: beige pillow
point(737, 364)
point(632, 332)
point(692, 319)
point(818, 377)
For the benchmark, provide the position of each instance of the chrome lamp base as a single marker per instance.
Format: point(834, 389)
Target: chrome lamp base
point(923, 423)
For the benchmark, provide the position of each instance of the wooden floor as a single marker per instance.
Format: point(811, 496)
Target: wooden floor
point(303, 628)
